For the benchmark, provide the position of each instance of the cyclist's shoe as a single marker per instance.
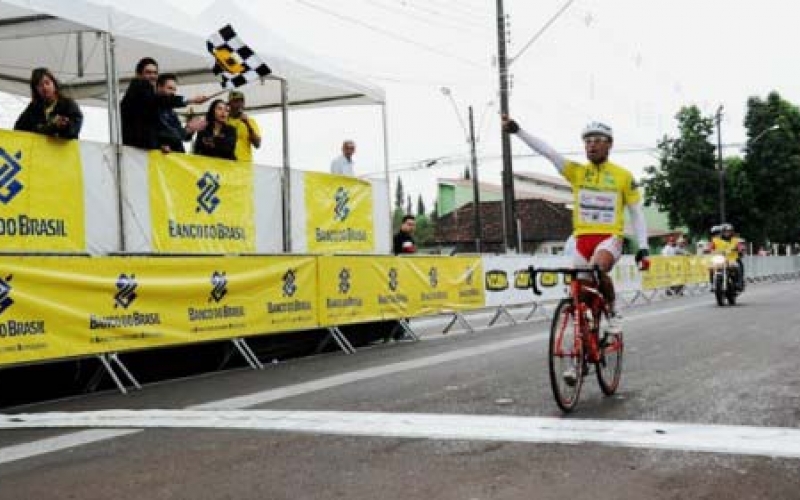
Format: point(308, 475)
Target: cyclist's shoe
point(614, 324)
point(570, 376)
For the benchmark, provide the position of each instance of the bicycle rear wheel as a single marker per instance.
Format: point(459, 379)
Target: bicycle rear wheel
point(566, 356)
point(609, 368)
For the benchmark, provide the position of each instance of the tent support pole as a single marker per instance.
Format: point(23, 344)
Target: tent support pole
point(385, 120)
point(114, 127)
point(286, 184)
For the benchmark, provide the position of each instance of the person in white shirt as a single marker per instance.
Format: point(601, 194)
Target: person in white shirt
point(343, 165)
point(669, 248)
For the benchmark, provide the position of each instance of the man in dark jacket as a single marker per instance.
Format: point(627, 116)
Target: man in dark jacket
point(171, 133)
point(141, 104)
point(404, 239)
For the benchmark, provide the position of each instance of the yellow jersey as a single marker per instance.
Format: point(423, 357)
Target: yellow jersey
point(601, 193)
point(243, 151)
point(730, 248)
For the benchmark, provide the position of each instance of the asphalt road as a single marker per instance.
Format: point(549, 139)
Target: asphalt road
point(708, 408)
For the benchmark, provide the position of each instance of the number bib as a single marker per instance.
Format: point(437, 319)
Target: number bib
point(598, 207)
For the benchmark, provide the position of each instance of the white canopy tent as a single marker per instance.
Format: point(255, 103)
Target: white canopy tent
point(93, 48)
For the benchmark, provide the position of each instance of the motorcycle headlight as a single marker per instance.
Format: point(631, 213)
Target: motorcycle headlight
point(718, 260)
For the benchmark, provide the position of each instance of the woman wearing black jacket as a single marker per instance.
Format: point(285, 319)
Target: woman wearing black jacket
point(50, 112)
point(218, 139)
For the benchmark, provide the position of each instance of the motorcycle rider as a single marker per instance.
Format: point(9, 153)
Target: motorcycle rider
point(731, 246)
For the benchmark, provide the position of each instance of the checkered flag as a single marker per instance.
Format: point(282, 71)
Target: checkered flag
point(235, 63)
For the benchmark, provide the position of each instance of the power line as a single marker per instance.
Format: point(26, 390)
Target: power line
point(542, 30)
point(423, 18)
point(389, 34)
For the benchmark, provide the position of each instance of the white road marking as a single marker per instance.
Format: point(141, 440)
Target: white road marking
point(49, 445)
point(739, 440)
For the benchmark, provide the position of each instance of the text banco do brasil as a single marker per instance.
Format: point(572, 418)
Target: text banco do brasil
point(206, 231)
point(23, 225)
point(339, 235)
point(122, 320)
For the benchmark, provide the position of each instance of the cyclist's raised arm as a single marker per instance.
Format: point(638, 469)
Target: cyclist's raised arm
point(639, 224)
point(535, 144)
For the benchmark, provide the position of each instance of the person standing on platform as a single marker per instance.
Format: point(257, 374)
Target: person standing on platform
point(344, 165)
point(248, 135)
point(50, 112)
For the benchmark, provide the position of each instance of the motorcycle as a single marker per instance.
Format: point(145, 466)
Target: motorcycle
point(724, 280)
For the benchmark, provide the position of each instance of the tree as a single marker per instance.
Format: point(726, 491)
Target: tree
point(399, 195)
point(420, 206)
point(770, 207)
point(685, 183)
point(409, 206)
point(423, 234)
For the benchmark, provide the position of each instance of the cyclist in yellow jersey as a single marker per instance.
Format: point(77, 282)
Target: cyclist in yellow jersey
point(730, 245)
point(602, 190)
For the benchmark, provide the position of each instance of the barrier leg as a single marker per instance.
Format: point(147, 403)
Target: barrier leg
point(341, 340)
point(247, 353)
point(458, 317)
point(405, 327)
point(538, 308)
point(502, 311)
point(110, 369)
point(115, 358)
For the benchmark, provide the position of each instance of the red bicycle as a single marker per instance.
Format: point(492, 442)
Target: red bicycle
point(576, 341)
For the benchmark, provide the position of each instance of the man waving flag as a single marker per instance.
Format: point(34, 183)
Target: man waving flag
point(235, 63)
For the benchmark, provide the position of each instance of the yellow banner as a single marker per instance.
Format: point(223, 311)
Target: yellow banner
point(41, 193)
point(339, 214)
point(441, 284)
point(201, 205)
point(57, 307)
point(347, 290)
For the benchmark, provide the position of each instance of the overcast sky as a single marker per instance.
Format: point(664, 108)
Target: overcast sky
point(630, 63)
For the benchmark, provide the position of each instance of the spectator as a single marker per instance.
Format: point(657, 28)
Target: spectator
point(343, 165)
point(141, 104)
point(218, 139)
point(248, 135)
point(681, 248)
point(669, 248)
point(404, 239)
point(50, 112)
point(762, 252)
point(171, 134)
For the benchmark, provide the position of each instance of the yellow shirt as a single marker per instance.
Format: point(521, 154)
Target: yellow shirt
point(601, 194)
point(730, 248)
point(244, 151)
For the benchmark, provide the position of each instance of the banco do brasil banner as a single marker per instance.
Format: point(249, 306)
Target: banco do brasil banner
point(60, 307)
point(41, 194)
point(201, 205)
point(339, 213)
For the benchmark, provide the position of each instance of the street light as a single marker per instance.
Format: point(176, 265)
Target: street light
point(476, 196)
point(720, 165)
point(762, 134)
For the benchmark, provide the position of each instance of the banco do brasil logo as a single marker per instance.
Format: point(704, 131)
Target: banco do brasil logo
point(219, 286)
point(433, 277)
point(341, 211)
point(10, 186)
point(344, 280)
point(5, 293)
point(289, 283)
point(126, 291)
point(393, 279)
point(208, 200)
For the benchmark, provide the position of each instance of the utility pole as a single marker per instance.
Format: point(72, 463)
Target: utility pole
point(720, 165)
point(476, 191)
point(509, 207)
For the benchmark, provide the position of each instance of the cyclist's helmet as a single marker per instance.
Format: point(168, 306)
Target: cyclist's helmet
point(715, 229)
point(597, 128)
point(726, 227)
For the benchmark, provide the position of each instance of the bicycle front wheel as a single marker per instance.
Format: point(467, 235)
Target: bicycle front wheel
point(566, 356)
point(609, 367)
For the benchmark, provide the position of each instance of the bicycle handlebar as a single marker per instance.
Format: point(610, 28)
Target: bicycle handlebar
point(572, 271)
